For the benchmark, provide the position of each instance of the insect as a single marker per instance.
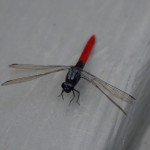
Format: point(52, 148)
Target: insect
point(75, 73)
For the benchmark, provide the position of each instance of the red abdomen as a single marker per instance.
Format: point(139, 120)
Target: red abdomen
point(86, 52)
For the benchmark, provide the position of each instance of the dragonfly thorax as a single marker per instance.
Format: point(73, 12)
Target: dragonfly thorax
point(67, 87)
point(72, 79)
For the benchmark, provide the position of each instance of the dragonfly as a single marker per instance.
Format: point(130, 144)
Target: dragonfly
point(75, 73)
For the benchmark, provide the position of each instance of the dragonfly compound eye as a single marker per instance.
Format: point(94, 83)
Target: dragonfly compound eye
point(67, 87)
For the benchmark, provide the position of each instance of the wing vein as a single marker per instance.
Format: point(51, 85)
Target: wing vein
point(29, 78)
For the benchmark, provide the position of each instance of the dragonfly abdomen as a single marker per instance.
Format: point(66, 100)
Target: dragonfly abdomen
point(86, 52)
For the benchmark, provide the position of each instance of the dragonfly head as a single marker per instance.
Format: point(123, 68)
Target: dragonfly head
point(67, 87)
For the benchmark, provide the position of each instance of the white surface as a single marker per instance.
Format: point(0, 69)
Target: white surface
point(55, 32)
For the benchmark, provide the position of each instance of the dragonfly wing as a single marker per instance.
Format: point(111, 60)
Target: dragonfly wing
point(109, 88)
point(29, 78)
point(36, 67)
point(104, 92)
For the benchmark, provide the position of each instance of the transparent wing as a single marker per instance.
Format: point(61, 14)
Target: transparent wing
point(29, 78)
point(36, 67)
point(109, 88)
point(104, 92)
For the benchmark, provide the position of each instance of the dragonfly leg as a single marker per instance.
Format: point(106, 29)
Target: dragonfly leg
point(78, 96)
point(61, 94)
point(72, 97)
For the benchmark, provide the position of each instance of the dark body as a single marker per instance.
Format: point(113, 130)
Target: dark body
point(72, 78)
